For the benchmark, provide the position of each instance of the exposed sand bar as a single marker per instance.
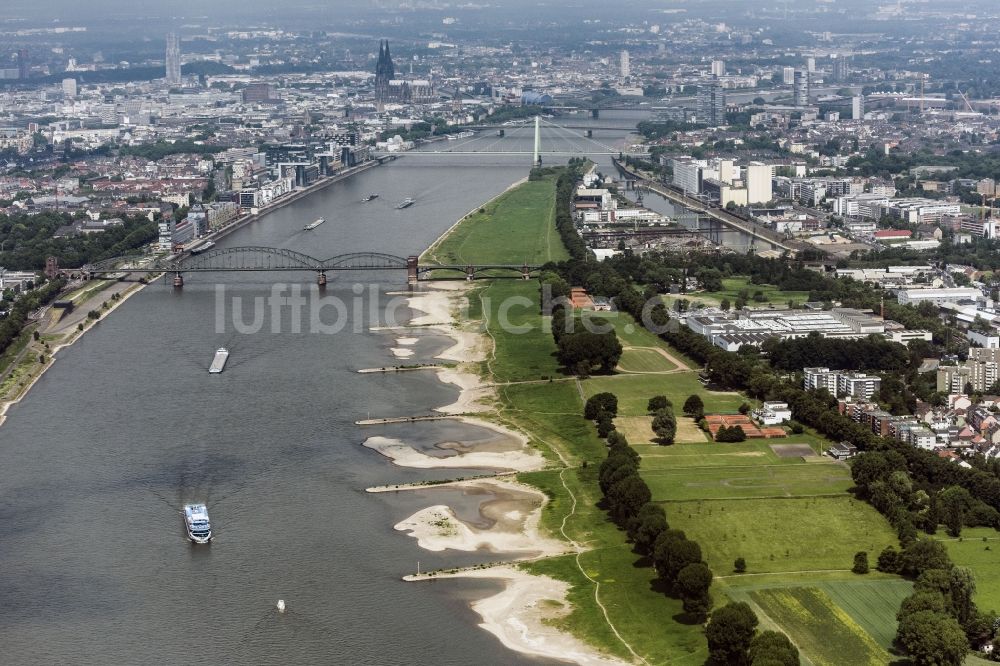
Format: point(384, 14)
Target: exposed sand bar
point(404, 455)
point(521, 614)
point(515, 513)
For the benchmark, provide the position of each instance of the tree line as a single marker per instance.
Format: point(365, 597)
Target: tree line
point(15, 321)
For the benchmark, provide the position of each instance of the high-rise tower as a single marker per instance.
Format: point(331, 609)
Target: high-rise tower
point(173, 59)
point(711, 103)
point(800, 89)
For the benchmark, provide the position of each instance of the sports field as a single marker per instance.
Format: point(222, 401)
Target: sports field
point(643, 359)
point(748, 481)
point(712, 454)
point(634, 392)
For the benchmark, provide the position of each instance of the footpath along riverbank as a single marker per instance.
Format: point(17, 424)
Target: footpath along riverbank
point(523, 614)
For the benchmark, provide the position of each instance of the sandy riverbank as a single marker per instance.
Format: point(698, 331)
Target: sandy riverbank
point(521, 615)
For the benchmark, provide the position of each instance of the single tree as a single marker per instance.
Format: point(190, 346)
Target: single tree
point(693, 582)
point(888, 560)
point(729, 632)
point(656, 403)
point(860, 562)
point(772, 648)
point(740, 565)
point(694, 406)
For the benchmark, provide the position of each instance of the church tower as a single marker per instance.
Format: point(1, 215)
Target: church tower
point(385, 71)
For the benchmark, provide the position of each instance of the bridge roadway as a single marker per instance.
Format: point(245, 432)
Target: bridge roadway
point(719, 214)
point(271, 259)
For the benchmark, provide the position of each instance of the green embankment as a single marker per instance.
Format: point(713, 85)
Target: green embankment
point(551, 412)
point(790, 517)
point(979, 550)
point(517, 227)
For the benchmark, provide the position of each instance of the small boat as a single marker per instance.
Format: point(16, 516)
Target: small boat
point(313, 225)
point(203, 247)
point(219, 362)
point(196, 523)
point(373, 195)
point(405, 203)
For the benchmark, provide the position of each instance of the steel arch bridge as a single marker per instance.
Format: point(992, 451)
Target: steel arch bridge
point(272, 259)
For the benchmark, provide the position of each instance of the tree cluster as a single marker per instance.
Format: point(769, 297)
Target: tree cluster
point(28, 240)
point(17, 318)
point(733, 640)
point(602, 408)
point(871, 353)
point(664, 421)
point(730, 434)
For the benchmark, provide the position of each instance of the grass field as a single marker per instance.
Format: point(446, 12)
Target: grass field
point(521, 355)
point(872, 600)
point(779, 535)
point(824, 631)
point(551, 413)
point(731, 288)
point(983, 558)
point(642, 359)
point(634, 392)
point(749, 481)
point(638, 430)
point(710, 454)
point(516, 227)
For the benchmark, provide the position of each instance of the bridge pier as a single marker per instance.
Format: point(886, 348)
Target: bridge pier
point(412, 269)
point(321, 278)
point(178, 280)
point(470, 272)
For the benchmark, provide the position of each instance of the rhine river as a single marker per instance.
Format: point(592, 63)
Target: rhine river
point(128, 425)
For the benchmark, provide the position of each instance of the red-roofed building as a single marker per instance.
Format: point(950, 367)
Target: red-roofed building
point(893, 234)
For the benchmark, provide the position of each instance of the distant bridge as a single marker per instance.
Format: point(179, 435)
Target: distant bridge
point(272, 259)
point(499, 146)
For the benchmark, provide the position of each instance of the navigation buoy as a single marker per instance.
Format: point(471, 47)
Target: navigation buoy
point(281, 605)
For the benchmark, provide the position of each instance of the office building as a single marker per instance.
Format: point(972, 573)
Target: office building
point(788, 76)
point(718, 68)
point(858, 107)
point(22, 64)
point(810, 65)
point(259, 93)
point(69, 88)
point(801, 88)
point(711, 103)
point(624, 64)
point(839, 68)
point(687, 175)
point(759, 183)
point(173, 59)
